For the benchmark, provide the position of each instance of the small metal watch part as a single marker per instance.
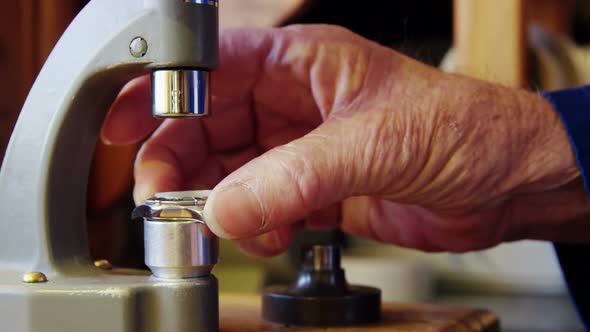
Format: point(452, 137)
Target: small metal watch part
point(34, 277)
point(178, 243)
point(321, 296)
point(177, 206)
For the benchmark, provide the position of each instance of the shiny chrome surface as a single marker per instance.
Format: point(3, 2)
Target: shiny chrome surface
point(178, 243)
point(179, 249)
point(180, 93)
point(179, 206)
point(322, 258)
point(205, 2)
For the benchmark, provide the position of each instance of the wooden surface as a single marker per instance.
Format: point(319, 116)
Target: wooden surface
point(53, 17)
point(242, 314)
point(11, 93)
point(28, 29)
point(489, 38)
point(553, 15)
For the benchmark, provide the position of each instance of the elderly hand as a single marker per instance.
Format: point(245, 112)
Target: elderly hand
point(315, 126)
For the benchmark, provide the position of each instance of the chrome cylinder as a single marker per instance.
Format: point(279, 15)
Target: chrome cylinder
point(178, 243)
point(180, 93)
point(322, 258)
point(179, 249)
point(205, 2)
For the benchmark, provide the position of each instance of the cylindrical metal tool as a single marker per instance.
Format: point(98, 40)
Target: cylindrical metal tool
point(178, 243)
point(184, 92)
point(322, 258)
point(180, 93)
point(205, 2)
point(321, 296)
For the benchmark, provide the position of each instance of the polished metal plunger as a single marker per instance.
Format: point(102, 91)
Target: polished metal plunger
point(178, 243)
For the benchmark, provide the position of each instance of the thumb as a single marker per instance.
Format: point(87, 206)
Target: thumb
point(289, 182)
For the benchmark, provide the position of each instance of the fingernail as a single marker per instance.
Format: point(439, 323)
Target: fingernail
point(148, 175)
point(265, 245)
point(105, 140)
point(234, 212)
point(272, 241)
point(142, 192)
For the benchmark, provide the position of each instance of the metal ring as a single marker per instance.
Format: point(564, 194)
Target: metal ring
point(204, 2)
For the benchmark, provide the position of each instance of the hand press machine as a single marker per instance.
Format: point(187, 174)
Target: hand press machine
point(47, 279)
point(42, 234)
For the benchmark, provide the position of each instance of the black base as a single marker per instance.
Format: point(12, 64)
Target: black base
point(357, 305)
point(321, 296)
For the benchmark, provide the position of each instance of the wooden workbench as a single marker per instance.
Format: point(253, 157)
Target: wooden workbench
point(242, 314)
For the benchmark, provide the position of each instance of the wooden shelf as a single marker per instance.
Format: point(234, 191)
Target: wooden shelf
point(242, 314)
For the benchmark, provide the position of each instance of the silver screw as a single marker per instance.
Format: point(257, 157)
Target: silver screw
point(34, 277)
point(138, 47)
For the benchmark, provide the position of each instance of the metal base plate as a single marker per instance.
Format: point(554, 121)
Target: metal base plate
point(117, 301)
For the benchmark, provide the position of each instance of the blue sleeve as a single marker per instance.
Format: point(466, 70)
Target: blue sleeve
point(573, 106)
point(572, 259)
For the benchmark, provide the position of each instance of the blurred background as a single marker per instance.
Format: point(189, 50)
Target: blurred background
point(536, 44)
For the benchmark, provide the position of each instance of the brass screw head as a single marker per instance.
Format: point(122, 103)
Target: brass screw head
point(103, 264)
point(34, 278)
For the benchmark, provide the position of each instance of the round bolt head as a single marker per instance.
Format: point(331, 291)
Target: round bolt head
point(34, 277)
point(103, 264)
point(138, 47)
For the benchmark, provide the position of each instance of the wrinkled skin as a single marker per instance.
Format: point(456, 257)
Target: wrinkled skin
point(315, 127)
